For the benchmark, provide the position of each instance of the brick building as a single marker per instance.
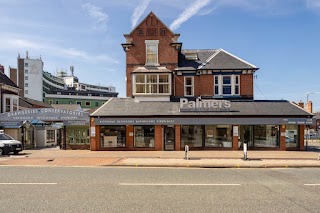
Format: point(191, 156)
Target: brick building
point(200, 98)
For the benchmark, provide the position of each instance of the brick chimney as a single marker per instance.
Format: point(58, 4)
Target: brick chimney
point(309, 106)
point(301, 104)
point(2, 68)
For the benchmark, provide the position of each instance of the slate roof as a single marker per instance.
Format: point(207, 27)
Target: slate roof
point(213, 59)
point(126, 107)
point(6, 80)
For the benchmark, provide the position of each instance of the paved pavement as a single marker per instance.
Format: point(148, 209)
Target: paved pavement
point(202, 159)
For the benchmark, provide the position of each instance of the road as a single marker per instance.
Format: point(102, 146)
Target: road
point(105, 189)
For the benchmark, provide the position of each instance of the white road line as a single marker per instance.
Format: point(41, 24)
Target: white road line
point(179, 184)
point(28, 183)
point(312, 184)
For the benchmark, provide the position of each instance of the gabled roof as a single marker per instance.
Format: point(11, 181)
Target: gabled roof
point(213, 59)
point(7, 81)
point(150, 14)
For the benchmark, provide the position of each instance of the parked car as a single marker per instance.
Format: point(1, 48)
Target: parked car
point(8, 144)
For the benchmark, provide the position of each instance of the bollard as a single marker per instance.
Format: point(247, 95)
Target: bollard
point(245, 151)
point(186, 152)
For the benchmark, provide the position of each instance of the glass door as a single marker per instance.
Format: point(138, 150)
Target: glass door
point(169, 138)
point(246, 135)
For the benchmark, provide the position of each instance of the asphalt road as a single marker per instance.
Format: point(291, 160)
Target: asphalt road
point(86, 189)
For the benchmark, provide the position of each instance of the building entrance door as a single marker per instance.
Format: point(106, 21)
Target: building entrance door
point(246, 135)
point(169, 138)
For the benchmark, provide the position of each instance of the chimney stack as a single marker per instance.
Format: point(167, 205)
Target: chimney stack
point(2, 68)
point(301, 104)
point(309, 106)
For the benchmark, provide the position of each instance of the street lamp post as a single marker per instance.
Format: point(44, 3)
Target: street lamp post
point(307, 128)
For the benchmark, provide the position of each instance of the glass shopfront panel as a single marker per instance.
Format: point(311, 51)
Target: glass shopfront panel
point(218, 136)
point(144, 136)
point(112, 136)
point(191, 135)
point(292, 136)
point(78, 135)
point(266, 136)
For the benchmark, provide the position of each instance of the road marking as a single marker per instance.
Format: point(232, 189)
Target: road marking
point(28, 183)
point(312, 184)
point(179, 184)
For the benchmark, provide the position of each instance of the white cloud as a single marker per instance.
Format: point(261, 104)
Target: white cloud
point(190, 11)
point(313, 4)
point(138, 12)
point(9, 43)
point(98, 15)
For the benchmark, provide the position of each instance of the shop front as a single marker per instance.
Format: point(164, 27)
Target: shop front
point(156, 128)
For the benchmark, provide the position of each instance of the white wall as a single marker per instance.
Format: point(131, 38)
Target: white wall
point(35, 84)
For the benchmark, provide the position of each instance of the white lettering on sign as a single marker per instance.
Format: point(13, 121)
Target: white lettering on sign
point(204, 105)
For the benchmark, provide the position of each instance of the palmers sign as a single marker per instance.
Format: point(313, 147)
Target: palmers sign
point(204, 105)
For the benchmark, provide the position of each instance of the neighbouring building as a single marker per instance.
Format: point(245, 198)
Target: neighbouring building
point(200, 98)
point(40, 85)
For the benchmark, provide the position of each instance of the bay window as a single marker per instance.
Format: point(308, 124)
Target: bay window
point(151, 84)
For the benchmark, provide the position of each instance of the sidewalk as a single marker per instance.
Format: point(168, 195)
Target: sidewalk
point(200, 159)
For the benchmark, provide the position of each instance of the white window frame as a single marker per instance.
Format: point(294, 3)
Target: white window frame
point(152, 43)
point(186, 86)
point(13, 99)
point(146, 84)
point(233, 82)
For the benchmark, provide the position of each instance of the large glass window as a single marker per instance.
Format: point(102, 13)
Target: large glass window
point(152, 84)
point(292, 136)
point(143, 136)
point(188, 86)
point(191, 135)
point(266, 136)
point(78, 135)
point(112, 136)
point(226, 85)
point(218, 136)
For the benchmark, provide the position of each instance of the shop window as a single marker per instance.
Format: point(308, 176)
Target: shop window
point(112, 136)
point(226, 85)
point(143, 136)
point(292, 136)
point(218, 136)
point(152, 84)
point(191, 135)
point(189, 86)
point(51, 138)
point(152, 52)
point(266, 136)
point(78, 135)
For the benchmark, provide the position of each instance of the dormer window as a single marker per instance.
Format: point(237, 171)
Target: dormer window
point(191, 56)
point(152, 52)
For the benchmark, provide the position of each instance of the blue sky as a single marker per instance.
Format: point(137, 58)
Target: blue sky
point(281, 37)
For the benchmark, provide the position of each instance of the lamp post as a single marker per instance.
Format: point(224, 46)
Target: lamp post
point(308, 93)
point(307, 128)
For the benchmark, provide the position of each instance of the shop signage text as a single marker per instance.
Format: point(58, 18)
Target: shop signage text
point(44, 114)
point(204, 105)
